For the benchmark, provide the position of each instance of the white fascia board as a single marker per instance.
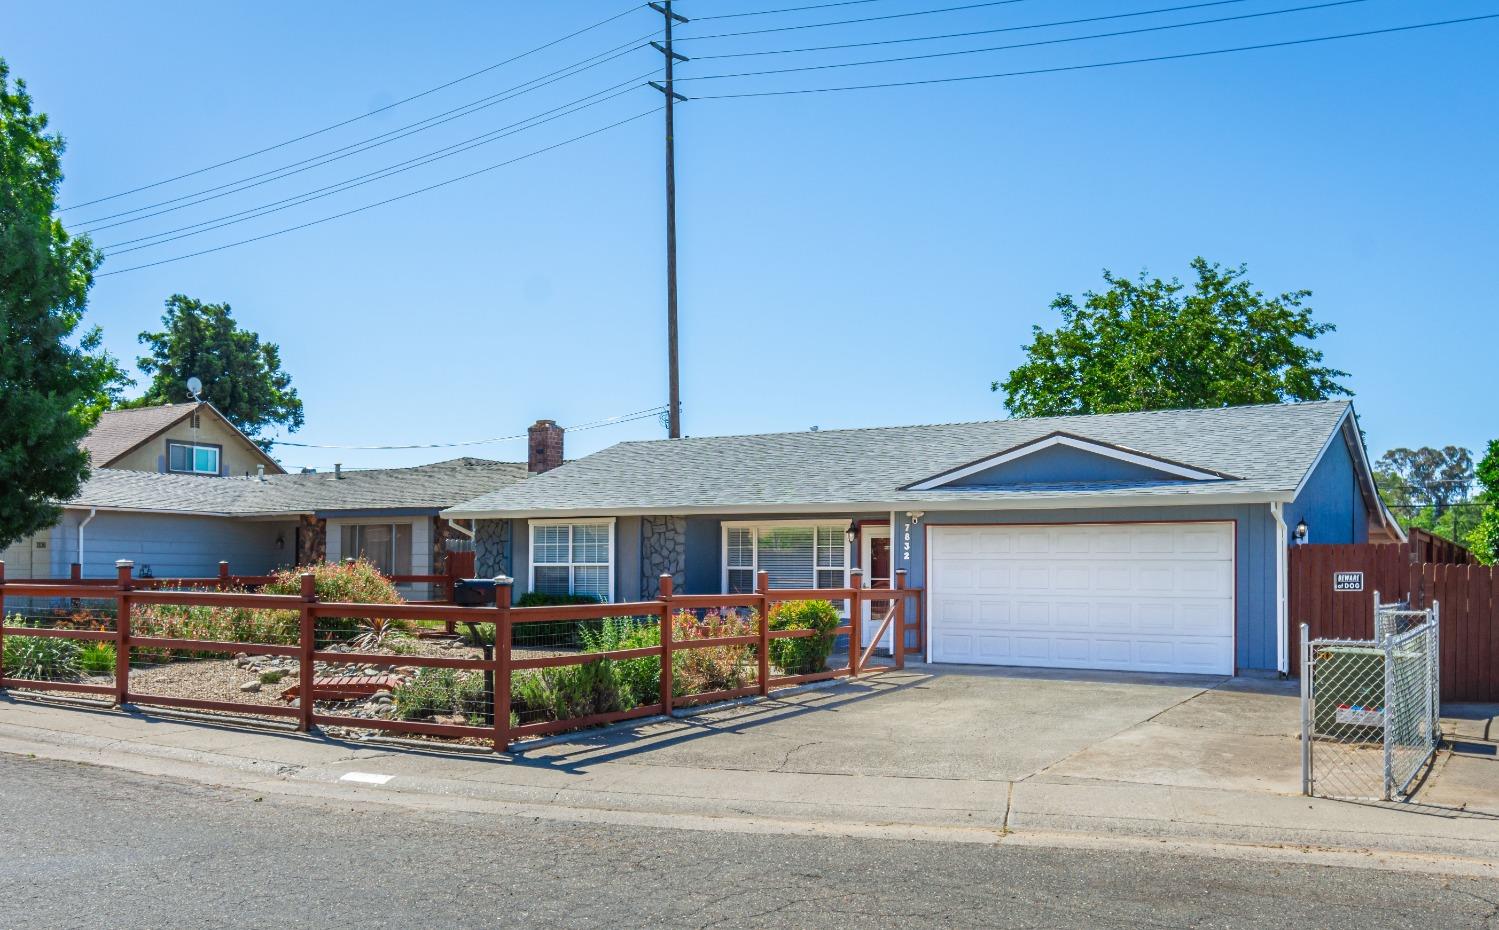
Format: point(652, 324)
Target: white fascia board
point(1074, 442)
point(1008, 503)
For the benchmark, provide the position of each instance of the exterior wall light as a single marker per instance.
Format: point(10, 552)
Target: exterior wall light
point(1300, 534)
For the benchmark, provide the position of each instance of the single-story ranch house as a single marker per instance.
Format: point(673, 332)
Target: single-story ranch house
point(177, 489)
point(1139, 541)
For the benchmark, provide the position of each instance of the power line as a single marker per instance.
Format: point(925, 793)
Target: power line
point(317, 132)
point(1099, 64)
point(1037, 43)
point(419, 161)
point(850, 22)
point(381, 203)
point(607, 421)
point(788, 9)
point(373, 142)
point(964, 35)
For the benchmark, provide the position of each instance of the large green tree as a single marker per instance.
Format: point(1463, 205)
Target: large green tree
point(241, 375)
point(54, 380)
point(1151, 344)
point(1484, 539)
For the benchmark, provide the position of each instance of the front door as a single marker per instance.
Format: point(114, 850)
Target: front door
point(875, 560)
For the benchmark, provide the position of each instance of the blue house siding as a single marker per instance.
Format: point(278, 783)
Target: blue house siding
point(1060, 464)
point(1255, 545)
point(1331, 503)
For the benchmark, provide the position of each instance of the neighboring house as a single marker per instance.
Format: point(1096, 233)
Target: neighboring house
point(1141, 541)
point(179, 439)
point(182, 525)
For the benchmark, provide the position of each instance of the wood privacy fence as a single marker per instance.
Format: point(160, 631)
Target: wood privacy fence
point(1332, 590)
point(900, 612)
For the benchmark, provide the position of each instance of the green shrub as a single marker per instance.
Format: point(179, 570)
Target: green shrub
point(353, 582)
point(272, 677)
point(438, 691)
point(638, 680)
point(97, 658)
point(560, 634)
point(567, 692)
point(804, 654)
point(39, 658)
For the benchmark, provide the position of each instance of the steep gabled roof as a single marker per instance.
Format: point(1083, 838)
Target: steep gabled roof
point(1263, 452)
point(120, 432)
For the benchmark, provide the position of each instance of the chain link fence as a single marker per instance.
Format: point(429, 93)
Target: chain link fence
point(1370, 709)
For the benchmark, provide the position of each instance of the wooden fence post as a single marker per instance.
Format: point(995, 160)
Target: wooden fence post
point(223, 575)
point(307, 639)
point(667, 585)
point(123, 568)
point(75, 571)
point(898, 640)
point(855, 620)
point(503, 638)
point(762, 585)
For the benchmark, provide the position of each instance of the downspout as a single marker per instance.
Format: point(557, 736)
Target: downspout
point(1282, 629)
point(92, 512)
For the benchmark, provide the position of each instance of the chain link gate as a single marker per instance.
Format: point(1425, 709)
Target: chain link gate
point(1371, 709)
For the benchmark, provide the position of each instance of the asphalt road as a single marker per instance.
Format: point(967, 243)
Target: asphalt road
point(82, 846)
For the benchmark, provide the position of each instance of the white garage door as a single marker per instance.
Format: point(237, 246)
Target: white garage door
point(1138, 597)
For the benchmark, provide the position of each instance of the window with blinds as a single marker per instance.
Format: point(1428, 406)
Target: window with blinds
point(573, 558)
point(792, 555)
point(385, 545)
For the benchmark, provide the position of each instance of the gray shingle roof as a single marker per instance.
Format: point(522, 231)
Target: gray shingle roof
point(425, 487)
point(1268, 448)
point(119, 431)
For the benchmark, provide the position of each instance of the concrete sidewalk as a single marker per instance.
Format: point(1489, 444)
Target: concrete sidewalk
point(950, 757)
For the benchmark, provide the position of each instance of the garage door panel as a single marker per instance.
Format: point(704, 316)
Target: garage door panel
point(1150, 597)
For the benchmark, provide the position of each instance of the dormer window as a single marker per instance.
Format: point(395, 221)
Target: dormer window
point(188, 458)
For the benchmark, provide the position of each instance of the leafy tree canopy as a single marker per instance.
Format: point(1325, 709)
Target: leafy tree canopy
point(54, 381)
point(241, 375)
point(1484, 539)
point(1154, 345)
point(1428, 476)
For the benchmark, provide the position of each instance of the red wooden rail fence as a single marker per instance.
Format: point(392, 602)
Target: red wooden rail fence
point(127, 592)
point(1465, 590)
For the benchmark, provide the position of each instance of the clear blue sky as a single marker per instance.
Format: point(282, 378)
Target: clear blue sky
point(852, 259)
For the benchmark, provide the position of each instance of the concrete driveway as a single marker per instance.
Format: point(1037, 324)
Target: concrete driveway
point(989, 724)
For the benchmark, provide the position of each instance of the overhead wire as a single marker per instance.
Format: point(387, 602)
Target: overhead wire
point(381, 203)
point(510, 93)
point(607, 421)
point(849, 22)
point(418, 161)
point(389, 106)
point(964, 35)
point(1040, 42)
point(787, 9)
point(1096, 65)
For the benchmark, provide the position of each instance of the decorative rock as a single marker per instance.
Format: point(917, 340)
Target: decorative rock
point(250, 687)
point(492, 548)
point(382, 697)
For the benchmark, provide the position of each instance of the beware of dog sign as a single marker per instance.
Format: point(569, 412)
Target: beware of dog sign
point(1348, 581)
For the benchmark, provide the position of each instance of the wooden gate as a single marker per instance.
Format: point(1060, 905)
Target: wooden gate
point(1332, 590)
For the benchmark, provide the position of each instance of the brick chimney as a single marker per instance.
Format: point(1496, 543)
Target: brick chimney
point(545, 450)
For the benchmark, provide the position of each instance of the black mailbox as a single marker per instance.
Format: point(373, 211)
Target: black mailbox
point(474, 592)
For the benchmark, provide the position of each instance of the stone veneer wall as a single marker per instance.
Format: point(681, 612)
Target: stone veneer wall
point(492, 548)
point(663, 551)
point(312, 540)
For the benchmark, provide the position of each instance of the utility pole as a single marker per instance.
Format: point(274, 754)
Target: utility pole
point(674, 408)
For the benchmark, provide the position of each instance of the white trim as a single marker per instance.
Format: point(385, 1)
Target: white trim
point(842, 526)
point(1282, 595)
point(571, 565)
point(1073, 442)
point(193, 445)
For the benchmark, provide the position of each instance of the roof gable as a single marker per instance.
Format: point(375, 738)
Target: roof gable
point(1064, 458)
point(120, 432)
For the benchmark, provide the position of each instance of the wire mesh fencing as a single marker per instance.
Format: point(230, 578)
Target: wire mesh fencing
point(1370, 709)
